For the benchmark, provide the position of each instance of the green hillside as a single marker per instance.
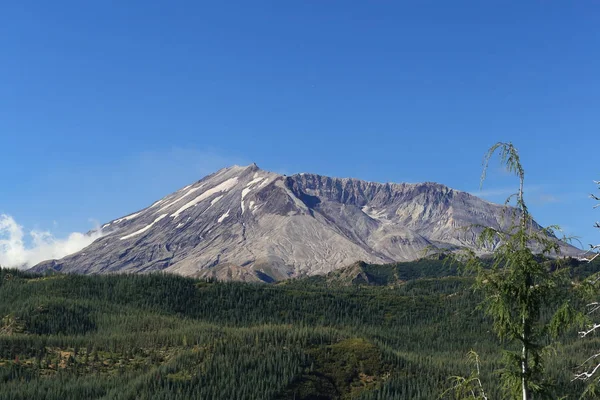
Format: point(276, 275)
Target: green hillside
point(398, 335)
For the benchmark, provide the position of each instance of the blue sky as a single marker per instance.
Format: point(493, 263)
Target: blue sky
point(108, 106)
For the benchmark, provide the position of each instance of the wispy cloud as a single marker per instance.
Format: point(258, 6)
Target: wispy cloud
point(535, 194)
point(14, 252)
point(504, 192)
point(508, 190)
point(546, 198)
point(178, 161)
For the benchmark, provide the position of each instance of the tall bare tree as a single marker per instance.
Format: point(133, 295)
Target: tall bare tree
point(589, 370)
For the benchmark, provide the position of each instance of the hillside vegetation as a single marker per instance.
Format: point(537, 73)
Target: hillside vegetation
point(367, 332)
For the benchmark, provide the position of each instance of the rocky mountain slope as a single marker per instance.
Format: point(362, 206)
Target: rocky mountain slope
point(243, 223)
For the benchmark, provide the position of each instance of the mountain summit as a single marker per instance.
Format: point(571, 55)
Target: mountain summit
point(244, 223)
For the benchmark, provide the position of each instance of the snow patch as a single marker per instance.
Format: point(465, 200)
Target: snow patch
point(213, 202)
point(223, 187)
point(222, 217)
point(371, 212)
point(254, 181)
point(144, 229)
point(127, 218)
point(177, 200)
point(249, 188)
point(245, 192)
point(157, 203)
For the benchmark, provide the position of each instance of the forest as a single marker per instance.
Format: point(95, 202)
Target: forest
point(397, 331)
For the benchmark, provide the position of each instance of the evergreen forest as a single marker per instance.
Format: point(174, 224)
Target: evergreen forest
point(367, 332)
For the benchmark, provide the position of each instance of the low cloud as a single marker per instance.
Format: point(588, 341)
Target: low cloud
point(16, 253)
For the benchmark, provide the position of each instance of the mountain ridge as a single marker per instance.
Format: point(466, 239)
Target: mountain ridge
point(245, 223)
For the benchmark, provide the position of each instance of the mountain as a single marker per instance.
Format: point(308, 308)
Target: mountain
point(244, 223)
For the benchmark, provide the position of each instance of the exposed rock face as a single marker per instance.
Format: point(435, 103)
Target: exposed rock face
point(243, 223)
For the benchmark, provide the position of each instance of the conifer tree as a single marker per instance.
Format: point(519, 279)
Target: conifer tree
point(519, 286)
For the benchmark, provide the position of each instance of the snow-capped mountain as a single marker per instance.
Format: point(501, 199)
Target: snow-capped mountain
point(244, 223)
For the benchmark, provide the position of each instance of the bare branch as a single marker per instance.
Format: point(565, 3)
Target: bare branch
point(590, 250)
point(585, 375)
point(583, 334)
point(595, 306)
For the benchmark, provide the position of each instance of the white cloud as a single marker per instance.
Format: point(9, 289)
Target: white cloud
point(14, 252)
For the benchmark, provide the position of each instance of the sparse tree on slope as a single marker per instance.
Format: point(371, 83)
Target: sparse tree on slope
point(469, 388)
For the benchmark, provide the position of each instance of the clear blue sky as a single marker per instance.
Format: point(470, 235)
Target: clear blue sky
point(106, 106)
